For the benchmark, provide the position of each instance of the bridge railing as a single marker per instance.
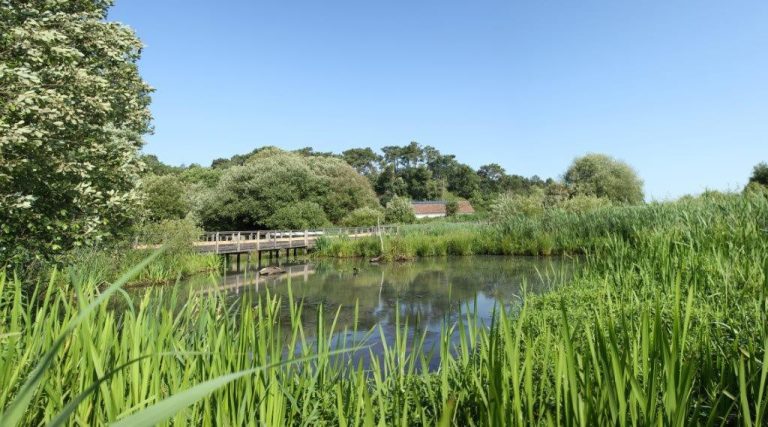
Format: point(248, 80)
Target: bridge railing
point(267, 235)
point(257, 239)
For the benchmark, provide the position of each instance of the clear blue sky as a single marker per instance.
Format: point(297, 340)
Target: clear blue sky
point(679, 89)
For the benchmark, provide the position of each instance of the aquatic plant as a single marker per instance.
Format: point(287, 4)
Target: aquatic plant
point(665, 325)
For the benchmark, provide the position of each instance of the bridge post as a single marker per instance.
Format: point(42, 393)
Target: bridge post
point(306, 238)
point(257, 243)
point(290, 239)
point(238, 249)
point(217, 242)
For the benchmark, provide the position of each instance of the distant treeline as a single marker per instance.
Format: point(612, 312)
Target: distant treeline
point(413, 171)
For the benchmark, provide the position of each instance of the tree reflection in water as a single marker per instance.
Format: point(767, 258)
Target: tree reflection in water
point(428, 291)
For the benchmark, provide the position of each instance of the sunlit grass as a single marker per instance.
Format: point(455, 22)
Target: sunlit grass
point(665, 325)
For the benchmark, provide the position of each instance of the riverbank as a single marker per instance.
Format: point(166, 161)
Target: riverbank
point(667, 323)
point(175, 263)
point(555, 232)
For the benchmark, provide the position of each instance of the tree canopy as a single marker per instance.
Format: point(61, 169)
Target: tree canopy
point(603, 176)
point(73, 110)
point(166, 198)
point(248, 196)
point(760, 174)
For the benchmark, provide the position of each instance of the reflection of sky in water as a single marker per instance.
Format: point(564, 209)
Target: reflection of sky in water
point(429, 293)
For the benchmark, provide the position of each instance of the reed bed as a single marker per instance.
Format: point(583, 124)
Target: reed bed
point(665, 325)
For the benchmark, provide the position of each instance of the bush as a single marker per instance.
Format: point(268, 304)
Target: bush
point(165, 198)
point(399, 210)
point(582, 203)
point(299, 216)
point(511, 205)
point(363, 217)
point(177, 234)
point(603, 176)
point(250, 196)
point(451, 207)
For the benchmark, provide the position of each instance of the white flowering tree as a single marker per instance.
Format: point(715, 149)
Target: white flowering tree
point(73, 110)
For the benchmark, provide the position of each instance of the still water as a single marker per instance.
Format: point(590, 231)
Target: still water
point(430, 292)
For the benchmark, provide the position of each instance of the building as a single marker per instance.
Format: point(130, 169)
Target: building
point(436, 208)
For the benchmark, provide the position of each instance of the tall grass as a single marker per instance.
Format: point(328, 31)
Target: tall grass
point(666, 325)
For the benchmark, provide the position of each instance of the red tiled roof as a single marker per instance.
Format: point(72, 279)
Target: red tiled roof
point(438, 207)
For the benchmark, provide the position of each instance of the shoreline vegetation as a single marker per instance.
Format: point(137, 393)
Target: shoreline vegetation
point(665, 324)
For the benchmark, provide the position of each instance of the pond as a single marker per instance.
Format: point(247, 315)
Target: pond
point(429, 292)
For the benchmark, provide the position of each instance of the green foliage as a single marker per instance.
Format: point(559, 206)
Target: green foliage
point(299, 216)
point(153, 165)
point(451, 207)
point(756, 189)
point(165, 197)
point(399, 210)
point(583, 203)
point(179, 259)
point(364, 160)
point(511, 205)
point(73, 109)
point(248, 197)
point(665, 324)
point(178, 234)
point(463, 181)
point(760, 174)
point(363, 217)
point(603, 176)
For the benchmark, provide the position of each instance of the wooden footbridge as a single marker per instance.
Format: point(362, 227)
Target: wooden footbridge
point(272, 242)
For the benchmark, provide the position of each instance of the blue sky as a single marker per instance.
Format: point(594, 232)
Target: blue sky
point(678, 89)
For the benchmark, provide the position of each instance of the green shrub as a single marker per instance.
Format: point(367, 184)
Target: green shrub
point(399, 211)
point(363, 217)
point(451, 207)
point(165, 198)
point(511, 205)
point(582, 203)
point(248, 197)
point(298, 216)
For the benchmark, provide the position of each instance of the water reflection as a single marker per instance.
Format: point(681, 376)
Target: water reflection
point(427, 291)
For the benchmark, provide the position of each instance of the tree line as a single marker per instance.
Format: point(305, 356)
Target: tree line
point(272, 188)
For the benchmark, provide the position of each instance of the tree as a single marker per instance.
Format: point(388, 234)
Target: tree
point(363, 217)
point(299, 216)
point(463, 181)
point(73, 109)
point(392, 156)
point(389, 185)
point(491, 176)
point(760, 174)
point(440, 165)
point(154, 166)
point(246, 197)
point(399, 210)
point(165, 198)
point(603, 176)
point(420, 184)
point(364, 160)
